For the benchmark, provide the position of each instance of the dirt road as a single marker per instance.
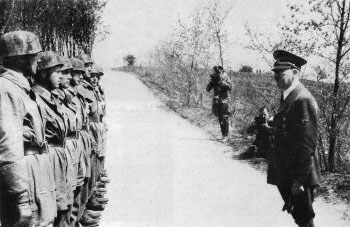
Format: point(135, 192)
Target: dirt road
point(166, 172)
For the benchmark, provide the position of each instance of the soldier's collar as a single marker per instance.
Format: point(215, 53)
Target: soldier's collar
point(43, 92)
point(17, 78)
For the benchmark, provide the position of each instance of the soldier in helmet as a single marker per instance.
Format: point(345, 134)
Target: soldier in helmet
point(221, 83)
point(88, 91)
point(27, 189)
point(47, 81)
point(293, 165)
point(90, 217)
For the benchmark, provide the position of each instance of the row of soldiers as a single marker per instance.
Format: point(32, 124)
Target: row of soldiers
point(52, 136)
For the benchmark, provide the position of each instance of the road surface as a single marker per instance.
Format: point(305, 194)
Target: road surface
point(167, 172)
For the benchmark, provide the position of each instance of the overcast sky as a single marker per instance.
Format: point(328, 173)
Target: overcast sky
point(136, 26)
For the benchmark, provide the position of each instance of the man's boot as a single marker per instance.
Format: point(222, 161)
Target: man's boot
point(102, 200)
point(105, 180)
point(86, 220)
point(93, 214)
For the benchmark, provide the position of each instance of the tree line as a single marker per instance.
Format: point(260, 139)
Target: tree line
point(65, 26)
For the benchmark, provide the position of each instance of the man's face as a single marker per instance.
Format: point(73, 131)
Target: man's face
point(31, 64)
point(284, 78)
point(88, 68)
point(65, 78)
point(54, 77)
point(94, 79)
point(77, 76)
point(264, 114)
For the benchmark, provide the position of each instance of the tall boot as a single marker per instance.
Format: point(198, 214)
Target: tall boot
point(222, 127)
point(226, 127)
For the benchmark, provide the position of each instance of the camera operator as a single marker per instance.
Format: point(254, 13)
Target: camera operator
point(221, 83)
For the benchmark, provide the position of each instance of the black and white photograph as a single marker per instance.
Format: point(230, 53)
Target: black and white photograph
point(174, 113)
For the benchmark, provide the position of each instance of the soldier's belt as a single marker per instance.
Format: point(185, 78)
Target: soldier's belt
point(31, 149)
point(85, 127)
point(56, 143)
point(72, 135)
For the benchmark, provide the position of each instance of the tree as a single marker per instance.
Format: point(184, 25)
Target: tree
point(246, 69)
point(66, 26)
point(218, 13)
point(130, 59)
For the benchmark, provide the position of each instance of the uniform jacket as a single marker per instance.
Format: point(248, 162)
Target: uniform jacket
point(79, 104)
point(55, 128)
point(20, 121)
point(294, 156)
point(86, 90)
point(221, 88)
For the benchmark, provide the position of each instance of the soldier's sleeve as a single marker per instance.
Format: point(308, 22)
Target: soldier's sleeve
point(210, 85)
point(305, 135)
point(226, 82)
point(12, 169)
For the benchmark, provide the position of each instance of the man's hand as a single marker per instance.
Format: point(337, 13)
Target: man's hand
point(297, 188)
point(25, 215)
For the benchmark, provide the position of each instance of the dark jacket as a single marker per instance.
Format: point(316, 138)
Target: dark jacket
point(294, 156)
point(221, 85)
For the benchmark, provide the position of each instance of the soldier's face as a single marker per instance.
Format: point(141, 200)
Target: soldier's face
point(284, 78)
point(94, 79)
point(65, 78)
point(54, 77)
point(77, 76)
point(88, 68)
point(264, 114)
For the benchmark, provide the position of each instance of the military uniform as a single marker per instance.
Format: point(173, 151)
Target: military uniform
point(222, 86)
point(26, 176)
point(294, 160)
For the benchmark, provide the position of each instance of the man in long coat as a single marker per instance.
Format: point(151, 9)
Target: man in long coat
point(293, 162)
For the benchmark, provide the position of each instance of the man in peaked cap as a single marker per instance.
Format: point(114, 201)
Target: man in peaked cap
point(293, 162)
point(220, 82)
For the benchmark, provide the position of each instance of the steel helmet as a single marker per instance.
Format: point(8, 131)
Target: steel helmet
point(19, 43)
point(66, 63)
point(100, 70)
point(94, 70)
point(78, 65)
point(48, 59)
point(85, 58)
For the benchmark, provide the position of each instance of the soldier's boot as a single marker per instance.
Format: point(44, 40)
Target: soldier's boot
point(102, 200)
point(104, 173)
point(99, 194)
point(94, 205)
point(100, 184)
point(86, 220)
point(93, 214)
point(105, 180)
point(226, 127)
point(222, 129)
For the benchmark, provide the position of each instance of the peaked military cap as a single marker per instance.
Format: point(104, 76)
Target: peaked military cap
point(287, 60)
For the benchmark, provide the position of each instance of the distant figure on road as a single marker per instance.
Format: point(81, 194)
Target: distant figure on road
point(262, 127)
point(221, 83)
point(293, 164)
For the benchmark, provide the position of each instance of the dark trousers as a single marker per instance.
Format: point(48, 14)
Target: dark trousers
point(302, 210)
point(221, 111)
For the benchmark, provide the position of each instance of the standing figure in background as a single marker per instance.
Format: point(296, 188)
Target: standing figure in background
point(221, 83)
point(293, 166)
